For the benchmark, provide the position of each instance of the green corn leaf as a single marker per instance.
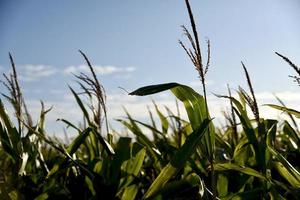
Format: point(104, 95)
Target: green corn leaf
point(41, 123)
point(4, 117)
point(244, 153)
point(69, 124)
point(288, 129)
point(194, 104)
point(122, 154)
point(152, 128)
point(153, 124)
point(250, 194)
point(172, 188)
point(249, 131)
point(240, 107)
point(222, 143)
point(79, 140)
point(134, 165)
point(235, 167)
point(140, 136)
point(80, 164)
point(152, 89)
point(54, 169)
point(82, 107)
point(15, 195)
point(285, 109)
point(178, 161)
point(239, 148)
point(6, 143)
point(285, 168)
point(190, 145)
point(274, 195)
point(163, 119)
point(164, 176)
point(43, 196)
point(196, 109)
point(12, 136)
point(90, 185)
point(222, 185)
point(130, 192)
point(108, 148)
point(286, 174)
point(142, 139)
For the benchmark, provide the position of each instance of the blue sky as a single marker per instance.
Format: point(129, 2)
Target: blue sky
point(135, 43)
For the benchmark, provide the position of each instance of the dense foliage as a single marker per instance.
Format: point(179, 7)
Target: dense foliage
point(183, 159)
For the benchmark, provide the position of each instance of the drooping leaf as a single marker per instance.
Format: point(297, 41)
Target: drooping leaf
point(285, 109)
point(69, 124)
point(194, 104)
point(152, 89)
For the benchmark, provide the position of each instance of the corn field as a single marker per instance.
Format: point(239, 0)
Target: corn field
point(250, 158)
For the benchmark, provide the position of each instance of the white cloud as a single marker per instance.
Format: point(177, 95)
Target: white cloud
point(103, 70)
point(35, 72)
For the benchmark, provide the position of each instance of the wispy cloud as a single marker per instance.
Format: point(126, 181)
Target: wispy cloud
point(32, 72)
point(103, 70)
point(36, 72)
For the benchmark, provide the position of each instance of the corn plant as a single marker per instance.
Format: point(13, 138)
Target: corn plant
point(251, 157)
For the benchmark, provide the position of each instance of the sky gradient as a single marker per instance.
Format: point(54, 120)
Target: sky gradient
point(135, 43)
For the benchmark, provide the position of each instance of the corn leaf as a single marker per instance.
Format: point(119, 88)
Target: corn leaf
point(130, 192)
point(285, 109)
point(152, 89)
point(12, 136)
point(178, 160)
point(192, 180)
point(79, 140)
point(235, 167)
point(163, 120)
point(285, 168)
point(82, 107)
point(194, 104)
